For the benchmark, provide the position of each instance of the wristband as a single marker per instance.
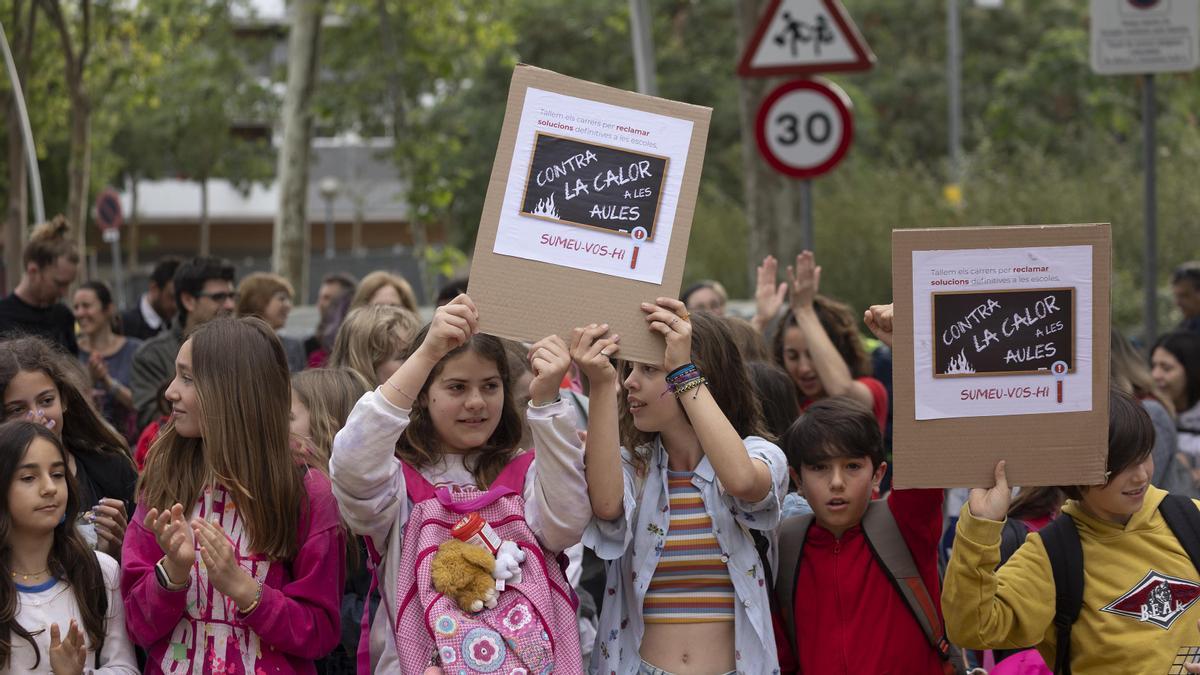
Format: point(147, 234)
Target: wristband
point(164, 579)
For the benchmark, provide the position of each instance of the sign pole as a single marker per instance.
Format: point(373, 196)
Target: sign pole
point(114, 239)
point(807, 234)
point(1150, 267)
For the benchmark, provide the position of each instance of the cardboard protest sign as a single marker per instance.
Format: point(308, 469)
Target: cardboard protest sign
point(588, 210)
point(1001, 352)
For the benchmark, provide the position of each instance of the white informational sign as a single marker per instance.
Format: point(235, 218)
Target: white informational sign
point(1003, 331)
point(1131, 37)
point(593, 186)
point(798, 37)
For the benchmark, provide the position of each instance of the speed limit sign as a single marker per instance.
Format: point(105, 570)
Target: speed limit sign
point(804, 127)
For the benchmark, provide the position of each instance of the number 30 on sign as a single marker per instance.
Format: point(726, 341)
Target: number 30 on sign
point(804, 127)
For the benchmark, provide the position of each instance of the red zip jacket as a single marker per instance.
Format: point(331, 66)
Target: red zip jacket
point(850, 619)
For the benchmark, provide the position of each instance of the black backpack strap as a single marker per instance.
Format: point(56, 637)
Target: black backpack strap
point(791, 545)
point(1183, 518)
point(1065, 552)
point(887, 543)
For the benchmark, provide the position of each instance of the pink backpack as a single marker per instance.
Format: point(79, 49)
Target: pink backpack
point(531, 630)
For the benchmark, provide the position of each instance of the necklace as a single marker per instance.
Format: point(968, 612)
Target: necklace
point(26, 577)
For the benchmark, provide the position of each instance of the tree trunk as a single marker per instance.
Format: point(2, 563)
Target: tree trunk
point(290, 251)
point(79, 163)
point(205, 229)
point(772, 199)
point(17, 218)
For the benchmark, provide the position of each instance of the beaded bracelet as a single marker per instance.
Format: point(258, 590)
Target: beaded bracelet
point(679, 381)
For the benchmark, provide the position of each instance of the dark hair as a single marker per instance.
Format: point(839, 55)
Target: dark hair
point(714, 286)
point(748, 339)
point(777, 396)
point(1185, 347)
point(841, 327)
point(1189, 271)
point(1130, 437)
point(84, 431)
point(70, 560)
point(1036, 502)
point(193, 274)
point(716, 355)
point(343, 279)
point(164, 270)
point(451, 290)
point(101, 290)
point(418, 445)
point(835, 426)
point(104, 296)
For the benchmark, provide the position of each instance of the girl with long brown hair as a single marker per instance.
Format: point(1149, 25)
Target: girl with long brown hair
point(248, 577)
point(680, 512)
point(44, 385)
point(819, 345)
point(60, 607)
point(444, 423)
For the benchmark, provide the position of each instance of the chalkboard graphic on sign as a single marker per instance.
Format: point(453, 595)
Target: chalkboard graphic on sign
point(593, 185)
point(1003, 332)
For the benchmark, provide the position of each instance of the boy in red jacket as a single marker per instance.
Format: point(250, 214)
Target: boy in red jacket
point(849, 616)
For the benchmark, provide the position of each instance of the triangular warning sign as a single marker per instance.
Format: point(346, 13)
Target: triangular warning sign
point(800, 37)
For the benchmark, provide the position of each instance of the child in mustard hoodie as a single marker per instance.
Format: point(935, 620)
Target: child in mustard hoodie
point(1140, 587)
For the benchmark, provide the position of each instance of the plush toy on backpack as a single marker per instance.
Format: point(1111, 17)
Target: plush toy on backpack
point(471, 576)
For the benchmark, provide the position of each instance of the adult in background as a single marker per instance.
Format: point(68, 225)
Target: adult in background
point(384, 288)
point(1185, 286)
point(705, 296)
point(157, 307)
point(269, 297)
point(1175, 366)
point(203, 291)
point(1130, 374)
point(332, 296)
point(107, 356)
point(34, 308)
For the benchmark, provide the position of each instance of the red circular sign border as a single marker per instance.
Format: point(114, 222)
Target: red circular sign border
point(840, 101)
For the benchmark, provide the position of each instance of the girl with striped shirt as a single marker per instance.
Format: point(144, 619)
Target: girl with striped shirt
point(674, 510)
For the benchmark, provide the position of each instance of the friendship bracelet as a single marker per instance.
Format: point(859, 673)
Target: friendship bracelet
point(685, 368)
point(691, 384)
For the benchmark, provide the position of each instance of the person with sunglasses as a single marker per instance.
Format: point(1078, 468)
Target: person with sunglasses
point(204, 290)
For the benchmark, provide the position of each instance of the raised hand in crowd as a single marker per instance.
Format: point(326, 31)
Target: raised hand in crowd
point(879, 319)
point(110, 519)
point(549, 359)
point(768, 295)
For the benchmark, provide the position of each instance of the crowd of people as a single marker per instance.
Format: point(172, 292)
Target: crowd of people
point(189, 490)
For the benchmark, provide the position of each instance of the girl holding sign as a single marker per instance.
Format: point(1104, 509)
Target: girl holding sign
point(680, 511)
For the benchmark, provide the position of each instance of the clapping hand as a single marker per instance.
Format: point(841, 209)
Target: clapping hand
point(67, 656)
point(174, 537)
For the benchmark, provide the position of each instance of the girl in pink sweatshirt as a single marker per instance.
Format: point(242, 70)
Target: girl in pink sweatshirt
point(247, 578)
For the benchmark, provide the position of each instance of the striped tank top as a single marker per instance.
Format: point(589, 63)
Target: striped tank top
point(691, 583)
